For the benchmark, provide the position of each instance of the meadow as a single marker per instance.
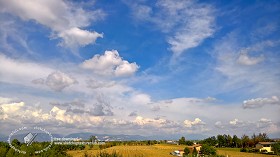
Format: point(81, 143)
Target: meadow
point(159, 150)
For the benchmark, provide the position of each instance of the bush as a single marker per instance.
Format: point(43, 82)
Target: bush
point(243, 150)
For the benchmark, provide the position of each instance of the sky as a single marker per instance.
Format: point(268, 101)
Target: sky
point(162, 67)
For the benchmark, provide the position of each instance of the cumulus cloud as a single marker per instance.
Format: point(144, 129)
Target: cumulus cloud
point(187, 23)
point(110, 64)
point(57, 81)
point(63, 18)
point(236, 123)
point(76, 36)
point(196, 122)
point(102, 107)
point(260, 102)
point(8, 107)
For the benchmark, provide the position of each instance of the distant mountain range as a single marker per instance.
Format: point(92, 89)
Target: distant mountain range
point(101, 137)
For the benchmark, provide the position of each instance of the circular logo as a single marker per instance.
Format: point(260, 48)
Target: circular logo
point(28, 136)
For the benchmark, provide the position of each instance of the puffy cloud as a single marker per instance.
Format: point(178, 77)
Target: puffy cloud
point(159, 122)
point(187, 22)
point(77, 37)
point(63, 18)
point(9, 107)
point(196, 122)
point(110, 64)
point(259, 102)
point(102, 108)
point(57, 81)
point(236, 123)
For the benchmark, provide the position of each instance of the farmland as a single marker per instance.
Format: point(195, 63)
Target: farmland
point(159, 150)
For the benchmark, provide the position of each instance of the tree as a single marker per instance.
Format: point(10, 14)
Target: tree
point(276, 148)
point(186, 151)
point(189, 143)
point(212, 141)
point(245, 141)
point(182, 140)
point(221, 140)
point(207, 150)
point(235, 141)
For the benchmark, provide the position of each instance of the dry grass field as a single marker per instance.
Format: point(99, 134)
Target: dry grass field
point(160, 150)
point(134, 151)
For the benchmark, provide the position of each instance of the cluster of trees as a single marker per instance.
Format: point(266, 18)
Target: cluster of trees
point(183, 141)
point(243, 142)
point(54, 151)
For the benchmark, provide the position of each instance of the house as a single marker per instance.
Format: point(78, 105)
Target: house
point(195, 146)
point(265, 147)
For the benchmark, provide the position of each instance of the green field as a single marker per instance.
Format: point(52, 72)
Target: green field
point(159, 150)
point(235, 152)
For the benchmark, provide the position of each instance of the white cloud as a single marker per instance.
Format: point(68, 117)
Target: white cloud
point(259, 102)
point(257, 79)
point(63, 18)
point(58, 81)
point(110, 64)
point(21, 72)
point(187, 23)
point(76, 37)
point(196, 122)
point(237, 123)
point(141, 99)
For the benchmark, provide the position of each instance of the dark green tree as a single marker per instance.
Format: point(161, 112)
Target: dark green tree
point(221, 140)
point(245, 141)
point(207, 150)
point(187, 151)
point(189, 143)
point(182, 141)
point(236, 142)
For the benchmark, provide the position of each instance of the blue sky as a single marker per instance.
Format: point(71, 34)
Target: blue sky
point(141, 67)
